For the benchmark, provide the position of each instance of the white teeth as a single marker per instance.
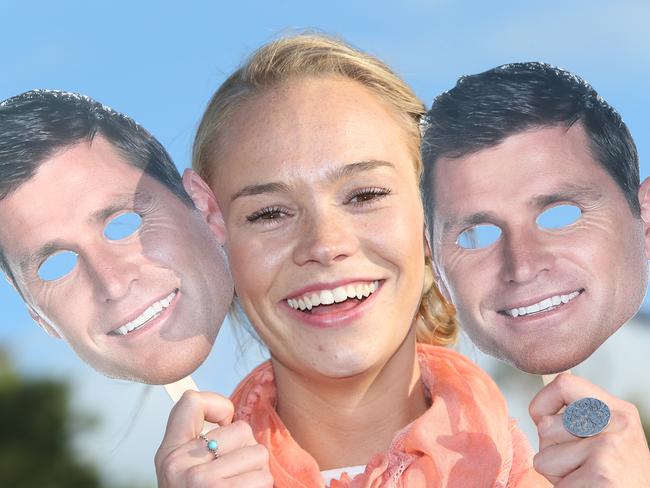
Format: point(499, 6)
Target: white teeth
point(336, 295)
point(326, 297)
point(545, 304)
point(151, 312)
point(350, 290)
point(340, 294)
point(533, 308)
point(359, 292)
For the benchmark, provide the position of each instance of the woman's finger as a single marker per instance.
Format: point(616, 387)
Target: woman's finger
point(240, 461)
point(551, 431)
point(191, 411)
point(229, 438)
point(557, 461)
point(236, 452)
point(184, 426)
point(562, 391)
point(254, 479)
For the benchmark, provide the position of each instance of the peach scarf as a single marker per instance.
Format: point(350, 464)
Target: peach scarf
point(465, 439)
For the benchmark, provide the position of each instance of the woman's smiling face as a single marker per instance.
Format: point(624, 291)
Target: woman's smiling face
point(317, 183)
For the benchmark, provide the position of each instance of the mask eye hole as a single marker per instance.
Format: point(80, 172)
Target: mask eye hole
point(122, 226)
point(559, 216)
point(479, 236)
point(57, 265)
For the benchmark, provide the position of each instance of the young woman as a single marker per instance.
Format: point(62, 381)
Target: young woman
point(312, 151)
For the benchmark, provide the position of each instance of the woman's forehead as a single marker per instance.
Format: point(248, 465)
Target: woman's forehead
point(296, 129)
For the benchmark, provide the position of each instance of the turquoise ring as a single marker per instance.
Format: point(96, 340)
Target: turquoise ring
point(213, 446)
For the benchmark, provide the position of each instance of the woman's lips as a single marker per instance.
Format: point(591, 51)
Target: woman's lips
point(313, 300)
point(335, 314)
point(336, 307)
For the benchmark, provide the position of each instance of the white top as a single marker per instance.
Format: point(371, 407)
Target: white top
point(334, 474)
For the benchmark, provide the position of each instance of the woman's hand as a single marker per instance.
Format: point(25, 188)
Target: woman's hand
point(184, 460)
point(617, 457)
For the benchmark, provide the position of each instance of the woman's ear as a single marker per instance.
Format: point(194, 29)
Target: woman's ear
point(206, 203)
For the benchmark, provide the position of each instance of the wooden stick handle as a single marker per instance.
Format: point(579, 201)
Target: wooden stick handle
point(175, 391)
point(547, 378)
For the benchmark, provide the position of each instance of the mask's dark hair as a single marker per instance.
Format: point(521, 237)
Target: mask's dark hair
point(37, 124)
point(484, 109)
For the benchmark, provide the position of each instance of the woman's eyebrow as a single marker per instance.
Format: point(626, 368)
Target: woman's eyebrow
point(251, 190)
point(341, 172)
point(352, 169)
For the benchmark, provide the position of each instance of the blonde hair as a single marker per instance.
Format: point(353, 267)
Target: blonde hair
point(313, 55)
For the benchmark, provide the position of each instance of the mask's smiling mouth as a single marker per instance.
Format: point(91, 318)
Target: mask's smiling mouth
point(337, 299)
point(546, 305)
point(151, 312)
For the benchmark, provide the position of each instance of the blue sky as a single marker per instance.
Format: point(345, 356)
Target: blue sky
point(159, 62)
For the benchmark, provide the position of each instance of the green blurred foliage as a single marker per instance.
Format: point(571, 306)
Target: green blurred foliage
point(37, 428)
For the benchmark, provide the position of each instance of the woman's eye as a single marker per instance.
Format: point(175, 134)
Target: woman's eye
point(479, 236)
point(122, 226)
point(365, 195)
point(57, 265)
point(559, 216)
point(270, 214)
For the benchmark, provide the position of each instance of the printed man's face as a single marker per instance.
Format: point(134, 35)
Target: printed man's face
point(538, 248)
point(114, 263)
